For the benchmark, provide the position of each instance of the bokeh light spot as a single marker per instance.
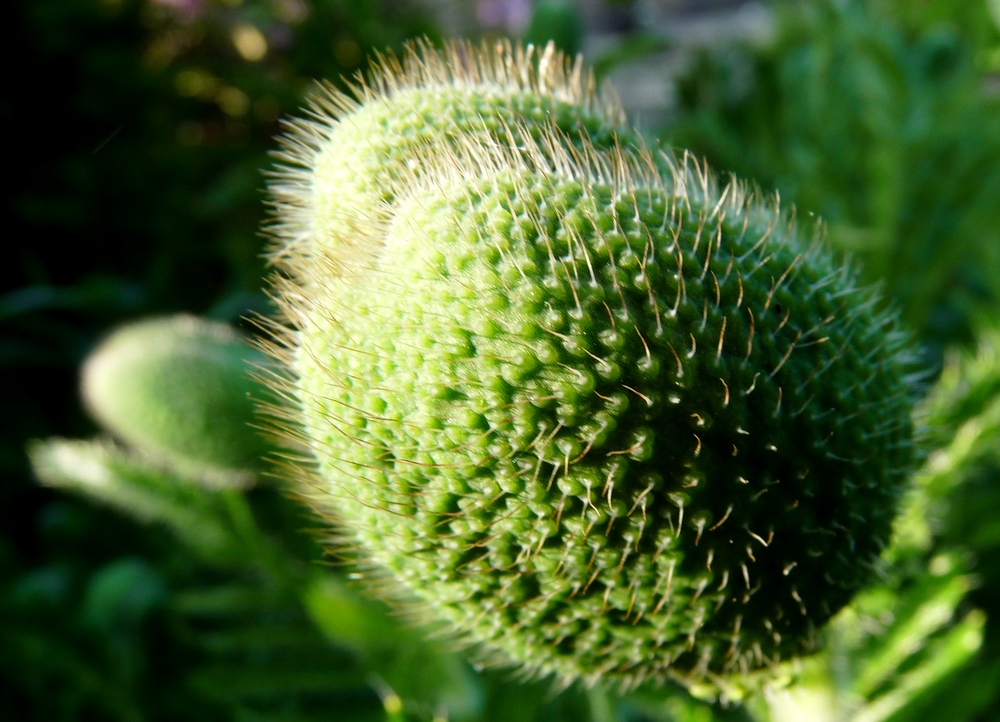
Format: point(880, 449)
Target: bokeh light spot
point(233, 101)
point(250, 42)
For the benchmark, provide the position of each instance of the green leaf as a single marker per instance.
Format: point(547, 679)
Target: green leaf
point(994, 6)
point(425, 678)
point(122, 594)
point(947, 656)
point(134, 486)
point(910, 634)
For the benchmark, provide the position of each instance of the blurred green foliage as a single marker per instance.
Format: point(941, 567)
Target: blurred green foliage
point(872, 115)
point(558, 21)
point(143, 595)
point(138, 130)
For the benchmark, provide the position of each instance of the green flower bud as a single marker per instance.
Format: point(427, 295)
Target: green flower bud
point(341, 163)
point(180, 390)
point(601, 415)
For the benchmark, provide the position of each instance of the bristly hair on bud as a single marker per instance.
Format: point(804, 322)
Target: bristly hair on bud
point(427, 97)
point(596, 413)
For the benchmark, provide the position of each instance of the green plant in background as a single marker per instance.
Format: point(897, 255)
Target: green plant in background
point(229, 616)
point(888, 137)
point(185, 418)
point(147, 203)
point(556, 21)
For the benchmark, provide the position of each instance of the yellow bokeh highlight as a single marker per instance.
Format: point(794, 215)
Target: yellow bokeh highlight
point(233, 101)
point(250, 42)
point(196, 83)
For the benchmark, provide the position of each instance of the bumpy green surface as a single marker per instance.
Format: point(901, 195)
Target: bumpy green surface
point(345, 163)
point(355, 171)
point(603, 433)
point(606, 419)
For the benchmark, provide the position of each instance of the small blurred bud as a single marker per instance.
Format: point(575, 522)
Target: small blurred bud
point(233, 101)
point(180, 389)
